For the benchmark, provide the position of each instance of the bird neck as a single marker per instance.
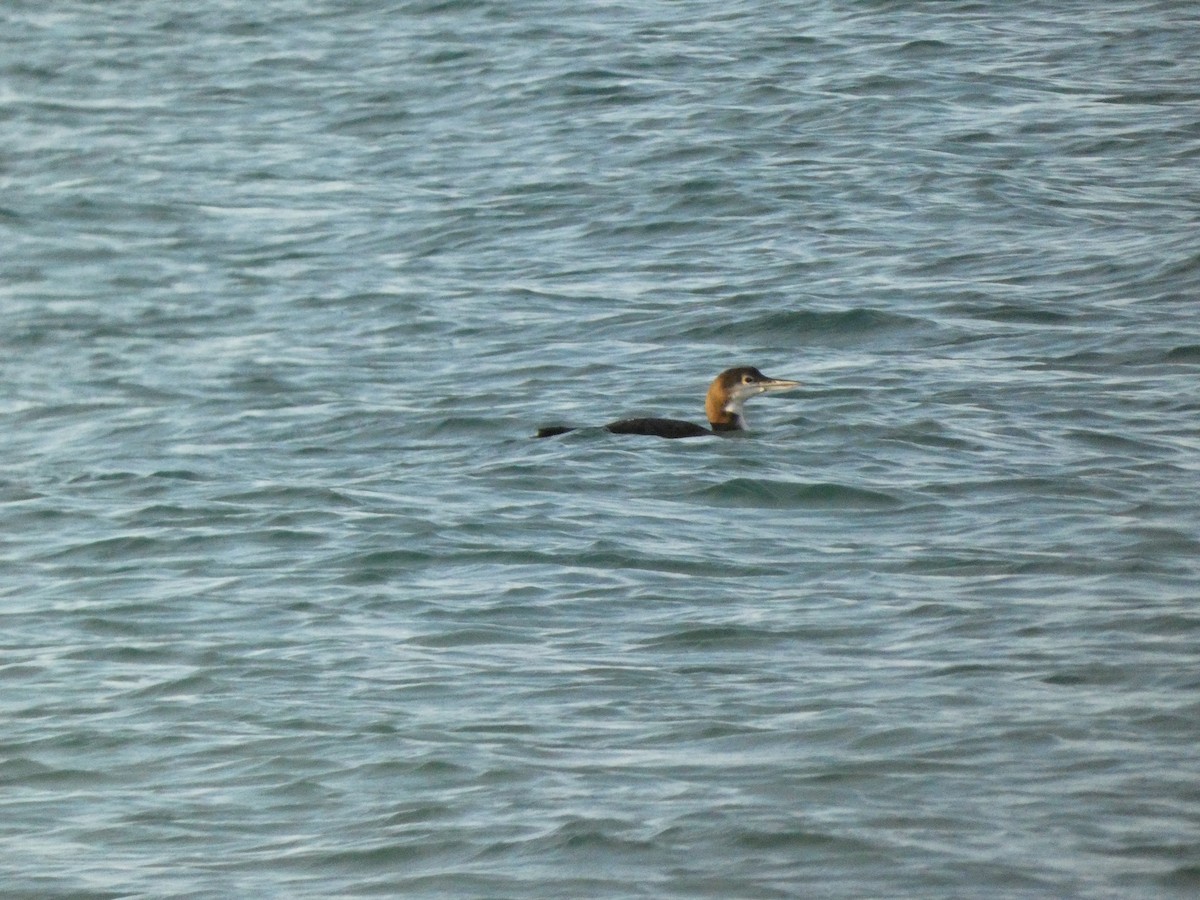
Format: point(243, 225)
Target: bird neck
point(721, 415)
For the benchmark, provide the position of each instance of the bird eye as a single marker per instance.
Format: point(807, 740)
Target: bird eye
point(747, 379)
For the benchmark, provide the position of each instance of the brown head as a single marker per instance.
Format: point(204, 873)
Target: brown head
point(734, 387)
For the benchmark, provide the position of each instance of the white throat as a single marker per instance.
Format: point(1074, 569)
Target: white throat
point(734, 407)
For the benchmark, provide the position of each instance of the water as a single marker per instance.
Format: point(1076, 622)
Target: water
point(292, 605)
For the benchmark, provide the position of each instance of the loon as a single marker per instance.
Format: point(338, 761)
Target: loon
point(726, 394)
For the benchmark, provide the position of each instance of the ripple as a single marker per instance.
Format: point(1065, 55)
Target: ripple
point(751, 492)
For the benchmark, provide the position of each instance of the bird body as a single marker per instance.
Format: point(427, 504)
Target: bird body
point(722, 405)
point(666, 428)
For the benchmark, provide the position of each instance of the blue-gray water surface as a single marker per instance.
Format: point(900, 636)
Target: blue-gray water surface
point(293, 605)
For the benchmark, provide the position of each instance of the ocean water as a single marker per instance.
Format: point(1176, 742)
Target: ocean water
point(293, 605)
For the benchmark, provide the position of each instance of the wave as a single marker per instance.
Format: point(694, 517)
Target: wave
point(757, 492)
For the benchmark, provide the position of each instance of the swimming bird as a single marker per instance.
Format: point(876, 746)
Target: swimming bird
point(723, 405)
